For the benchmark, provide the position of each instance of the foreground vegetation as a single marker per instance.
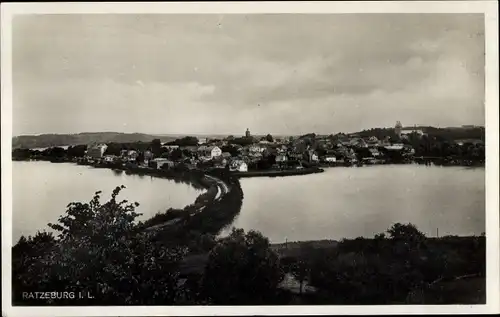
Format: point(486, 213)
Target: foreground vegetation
point(101, 249)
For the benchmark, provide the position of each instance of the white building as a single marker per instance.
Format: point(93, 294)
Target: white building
point(110, 158)
point(209, 152)
point(170, 147)
point(395, 147)
point(313, 157)
point(281, 158)
point(406, 131)
point(256, 149)
point(238, 166)
point(132, 155)
point(330, 159)
point(97, 151)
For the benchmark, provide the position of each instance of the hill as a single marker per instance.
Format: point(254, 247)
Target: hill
point(48, 140)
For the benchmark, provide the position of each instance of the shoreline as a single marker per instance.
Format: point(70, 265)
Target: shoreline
point(214, 189)
point(305, 171)
point(196, 178)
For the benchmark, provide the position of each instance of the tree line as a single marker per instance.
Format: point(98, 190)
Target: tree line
point(100, 249)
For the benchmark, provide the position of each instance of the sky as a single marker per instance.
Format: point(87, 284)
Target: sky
point(284, 74)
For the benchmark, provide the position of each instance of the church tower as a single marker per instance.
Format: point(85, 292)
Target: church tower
point(247, 133)
point(398, 128)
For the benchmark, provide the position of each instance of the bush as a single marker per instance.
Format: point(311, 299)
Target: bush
point(242, 269)
point(98, 250)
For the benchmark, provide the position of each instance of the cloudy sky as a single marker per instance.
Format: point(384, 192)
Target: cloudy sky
point(220, 74)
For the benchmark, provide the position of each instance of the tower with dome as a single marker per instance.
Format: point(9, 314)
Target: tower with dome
point(398, 128)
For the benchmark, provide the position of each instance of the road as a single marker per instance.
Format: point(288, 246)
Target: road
point(222, 189)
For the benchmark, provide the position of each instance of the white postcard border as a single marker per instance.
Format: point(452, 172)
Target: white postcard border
point(489, 8)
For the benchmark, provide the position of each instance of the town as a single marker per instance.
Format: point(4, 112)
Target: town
point(251, 154)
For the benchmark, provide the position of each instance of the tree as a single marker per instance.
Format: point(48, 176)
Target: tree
point(185, 141)
point(156, 147)
point(114, 149)
point(21, 153)
point(99, 250)
point(269, 138)
point(140, 158)
point(408, 237)
point(301, 270)
point(242, 269)
point(54, 152)
point(77, 150)
point(176, 154)
point(405, 232)
point(230, 149)
point(243, 141)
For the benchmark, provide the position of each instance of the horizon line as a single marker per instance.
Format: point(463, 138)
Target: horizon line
point(236, 134)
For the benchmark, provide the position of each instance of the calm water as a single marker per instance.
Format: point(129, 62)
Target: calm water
point(42, 190)
point(352, 202)
point(339, 203)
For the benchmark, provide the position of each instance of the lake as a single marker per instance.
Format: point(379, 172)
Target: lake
point(339, 203)
point(42, 190)
point(350, 202)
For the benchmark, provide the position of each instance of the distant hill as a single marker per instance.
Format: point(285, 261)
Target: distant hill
point(48, 140)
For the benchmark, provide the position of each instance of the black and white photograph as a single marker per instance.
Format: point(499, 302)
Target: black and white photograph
point(245, 155)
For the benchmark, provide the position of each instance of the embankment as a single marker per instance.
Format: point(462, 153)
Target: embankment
point(221, 198)
point(304, 171)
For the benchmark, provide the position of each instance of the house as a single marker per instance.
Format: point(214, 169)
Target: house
point(295, 156)
point(202, 148)
point(256, 149)
point(256, 155)
point(97, 151)
point(214, 151)
point(281, 158)
point(282, 149)
point(132, 155)
point(394, 147)
point(374, 152)
point(159, 162)
point(407, 131)
point(209, 151)
point(471, 141)
point(238, 166)
point(313, 156)
point(190, 148)
point(110, 158)
point(330, 159)
point(373, 140)
point(408, 150)
point(358, 142)
point(148, 155)
point(270, 151)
